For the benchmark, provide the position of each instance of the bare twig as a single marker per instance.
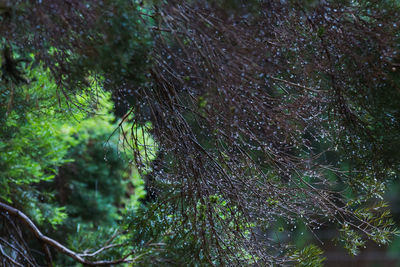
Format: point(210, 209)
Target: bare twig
point(47, 241)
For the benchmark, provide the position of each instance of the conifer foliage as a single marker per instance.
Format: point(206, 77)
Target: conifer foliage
point(260, 111)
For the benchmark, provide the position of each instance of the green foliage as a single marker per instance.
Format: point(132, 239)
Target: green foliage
point(310, 256)
point(160, 241)
point(97, 185)
point(32, 143)
point(116, 48)
point(96, 179)
point(352, 241)
point(64, 167)
point(382, 228)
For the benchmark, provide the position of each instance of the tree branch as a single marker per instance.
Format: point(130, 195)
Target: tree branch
point(296, 85)
point(47, 241)
point(9, 258)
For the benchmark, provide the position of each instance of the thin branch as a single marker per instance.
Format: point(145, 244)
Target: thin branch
point(9, 258)
point(297, 85)
point(53, 243)
point(101, 250)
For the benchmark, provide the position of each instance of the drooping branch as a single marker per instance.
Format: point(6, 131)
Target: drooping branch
point(47, 241)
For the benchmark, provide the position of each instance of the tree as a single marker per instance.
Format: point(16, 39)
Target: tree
point(261, 110)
